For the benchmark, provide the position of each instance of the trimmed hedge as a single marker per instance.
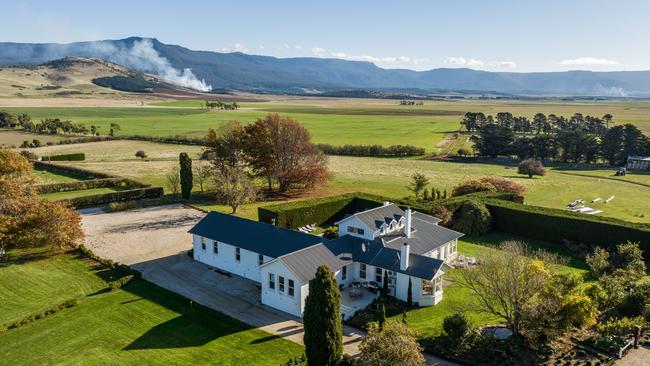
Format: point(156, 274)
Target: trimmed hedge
point(319, 210)
point(32, 318)
point(89, 184)
point(327, 210)
point(128, 195)
point(556, 225)
point(65, 157)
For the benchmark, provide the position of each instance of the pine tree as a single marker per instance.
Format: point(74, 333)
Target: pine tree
point(323, 331)
point(186, 175)
point(409, 295)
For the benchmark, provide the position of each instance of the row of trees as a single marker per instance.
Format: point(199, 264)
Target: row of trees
point(614, 146)
point(221, 105)
point(411, 102)
point(372, 150)
point(51, 126)
point(540, 123)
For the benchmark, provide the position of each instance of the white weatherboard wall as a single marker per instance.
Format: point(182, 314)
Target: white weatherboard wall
point(247, 267)
point(353, 221)
point(281, 300)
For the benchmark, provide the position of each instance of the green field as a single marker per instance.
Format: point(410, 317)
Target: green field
point(138, 324)
point(17, 137)
point(78, 193)
point(390, 177)
point(47, 177)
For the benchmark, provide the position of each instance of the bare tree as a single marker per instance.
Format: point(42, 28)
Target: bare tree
point(174, 180)
point(234, 187)
point(508, 281)
point(201, 174)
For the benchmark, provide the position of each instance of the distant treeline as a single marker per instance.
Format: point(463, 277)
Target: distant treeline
point(221, 105)
point(372, 150)
point(411, 102)
point(576, 139)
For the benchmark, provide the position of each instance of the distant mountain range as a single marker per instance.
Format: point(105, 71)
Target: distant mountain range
point(203, 70)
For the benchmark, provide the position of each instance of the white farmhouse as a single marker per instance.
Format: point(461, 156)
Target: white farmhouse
point(381, 243)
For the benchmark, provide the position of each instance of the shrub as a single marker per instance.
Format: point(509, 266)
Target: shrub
point(122, 206)
point(53, 310)
point(89, 184)
point(140, 154)
point(128, 195)
point(578, 311)
point(619, 327)
point(29, 155)
point(464, 152)
point(456, 326)
point(531, 167)
point(331, 232)
point(472, 186)
point(119, 283)
point(443, 214)
point(473, 219)
point(598, 262)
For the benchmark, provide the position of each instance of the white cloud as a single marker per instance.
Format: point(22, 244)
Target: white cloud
point(237, 47)
point(506, 64)
point(369, 58)
point(317, 51)
point(462, 61)
point(588, 61)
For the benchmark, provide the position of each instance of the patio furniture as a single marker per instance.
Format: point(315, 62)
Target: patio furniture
point(373, 286)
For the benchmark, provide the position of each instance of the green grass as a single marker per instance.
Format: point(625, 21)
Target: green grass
point(138, 324)
point(78, 193)
point(9, 137)
point(47, 177)
point(390, 177)
point(427, 321)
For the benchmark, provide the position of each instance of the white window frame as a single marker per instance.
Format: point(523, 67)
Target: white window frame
point(237, 254)
point(260, 259)
point(215, 247)
point(281, 284)
point(272, 281)
point(363, 271)
point(290, 288)
point(379, 273)
point(203, 243)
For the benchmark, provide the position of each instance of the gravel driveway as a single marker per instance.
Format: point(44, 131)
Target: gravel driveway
point(155, 240)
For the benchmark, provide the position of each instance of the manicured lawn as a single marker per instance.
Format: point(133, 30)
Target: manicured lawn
point(139, 324)
point(427, 321)
point(47, 177)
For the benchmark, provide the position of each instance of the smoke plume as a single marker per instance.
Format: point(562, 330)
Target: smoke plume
point(143, 57)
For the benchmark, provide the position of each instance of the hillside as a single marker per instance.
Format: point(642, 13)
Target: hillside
point(203, 70)
point(63, 77)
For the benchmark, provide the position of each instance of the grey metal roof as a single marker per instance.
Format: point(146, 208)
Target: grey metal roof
point(303, 263)
point(375, 217)
point(425, 236)
point(424, 217)
point(255, 236)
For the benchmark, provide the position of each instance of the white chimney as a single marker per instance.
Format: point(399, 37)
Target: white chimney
point(404, 253)
point(386, 203)
point(407, 222)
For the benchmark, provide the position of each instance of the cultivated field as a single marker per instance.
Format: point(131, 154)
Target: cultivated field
point(389, 177)
point(334, 121)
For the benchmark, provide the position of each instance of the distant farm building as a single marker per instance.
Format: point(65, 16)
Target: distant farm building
point(638, 162)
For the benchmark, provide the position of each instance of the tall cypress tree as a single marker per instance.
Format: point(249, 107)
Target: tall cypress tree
point(385, 287)
point(323, 332)
point(186, 175)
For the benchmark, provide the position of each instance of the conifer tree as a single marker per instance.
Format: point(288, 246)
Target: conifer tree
point(186, 175)
point(323, 332)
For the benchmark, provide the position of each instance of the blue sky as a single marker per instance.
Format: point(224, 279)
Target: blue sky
point(521, 35)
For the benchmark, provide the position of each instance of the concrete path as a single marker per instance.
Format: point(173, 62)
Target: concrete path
point(155, 241)
point(636, 357)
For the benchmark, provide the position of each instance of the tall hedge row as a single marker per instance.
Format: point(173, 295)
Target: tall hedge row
point(89, 184)
point(555, 225)
point(318, 210)
point(65, 157)
point(118, 196)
